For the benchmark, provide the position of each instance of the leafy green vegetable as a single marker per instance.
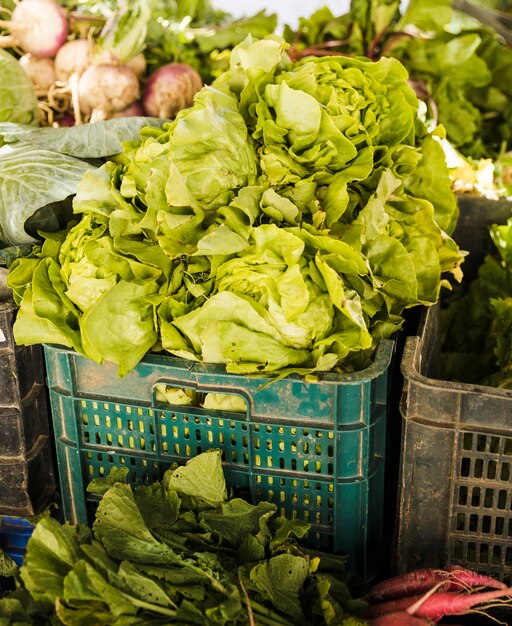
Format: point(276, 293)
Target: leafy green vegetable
point(18, 102)
point(40, 169)
point(477, 323)
point(247, 234)
point(457, 67)
point(155, 555)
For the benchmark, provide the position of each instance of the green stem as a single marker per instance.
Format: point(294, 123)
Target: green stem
point(155, 608)
point(264, 613)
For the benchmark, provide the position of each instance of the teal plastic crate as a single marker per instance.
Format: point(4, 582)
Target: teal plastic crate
point(315, 449)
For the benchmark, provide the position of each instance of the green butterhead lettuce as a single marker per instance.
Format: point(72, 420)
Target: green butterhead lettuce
point(283, 223)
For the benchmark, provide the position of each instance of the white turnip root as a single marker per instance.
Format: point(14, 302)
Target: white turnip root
point(41, 72)
point(39, 27)
point(73, 57)
point(137, 64)
point(105, 89)
point(133, 110)
point(171, 88)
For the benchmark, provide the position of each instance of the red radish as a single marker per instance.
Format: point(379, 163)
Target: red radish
point(40, 71)
point(400, 618)
point(421, 580)
point(441, 603)
point(38, 26)
point(74, 57)
point(171, 88)
point(392, 606)
point(106, 89)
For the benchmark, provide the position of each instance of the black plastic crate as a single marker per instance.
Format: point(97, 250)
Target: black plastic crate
point(455, 487)
point(27, 476)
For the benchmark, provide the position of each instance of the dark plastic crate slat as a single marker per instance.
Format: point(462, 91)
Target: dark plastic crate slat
point(455, 500)
point(315, 449)
point(27, 476)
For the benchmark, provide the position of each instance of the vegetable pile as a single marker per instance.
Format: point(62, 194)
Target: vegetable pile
point(92, 61)
point(179, 551)
point(477, 323)
point(425, 596)
point(284, 222)
point(458, 66)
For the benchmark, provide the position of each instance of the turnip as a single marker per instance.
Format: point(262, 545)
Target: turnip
point(137, 64)
point(171, 88)
point(105, 89)
point(73, 57)
point(41, 72)
point(133, 110)
point(39, 27)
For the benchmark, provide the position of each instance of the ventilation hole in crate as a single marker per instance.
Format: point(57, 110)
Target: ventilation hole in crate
point(120, 441)
point(502, 499)
point(475, 496)
point(463, 496)
point(467, 441)
point(489, 498)
point(460, 520)
point(257, 460)
point(85, 419)
point(486, 524)
point(198, 435)
point(94, 405)
point(494, 445)
point(508, 555)
point(86, 436)
point(234, 456)
point(458, 550)
point(465, 465)
point(119, 422)
point(293, 464)
point(295, 498)
point(257, 443)
point(246, 458)
point(483, 553)
point(282, 496)
point(270, 464)
point(269, 445)
point(505, 472)
point(471, 552)
point(151, 428)
point(499, 526)
point(473, 523)
point(96, 419)
point(330, 469)
point(479, 468)
point(186, 433)
point(98, 439)
point(176, 448)
point(330, 502)
point(108, 421)
point(131, 442)
point(481, 443)
point(188, 450)
point(90, 470)
point(245, 440)
point(491, 470)
point(507, 447)
point(330, 451)
point(306, 465)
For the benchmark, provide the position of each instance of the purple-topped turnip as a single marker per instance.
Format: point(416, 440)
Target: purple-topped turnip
point(39, 27)
point(170, 88)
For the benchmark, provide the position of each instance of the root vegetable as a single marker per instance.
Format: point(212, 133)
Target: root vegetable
point(171, 88)
point(440, 604)
point(107, 89)
point(131, 111)
point(400, 618)
point(39, 27)
point(421, 580)
point(40, 71)
point(137, 64)
point(74, 57)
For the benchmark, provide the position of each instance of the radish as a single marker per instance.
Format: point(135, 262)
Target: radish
point(170, 88)
point(435, 604)
point(105, 89)
point(421, 580)
point(39, 27)
point(441, 604)
point(41, 71)
point(74, 57)
point(400, 618)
